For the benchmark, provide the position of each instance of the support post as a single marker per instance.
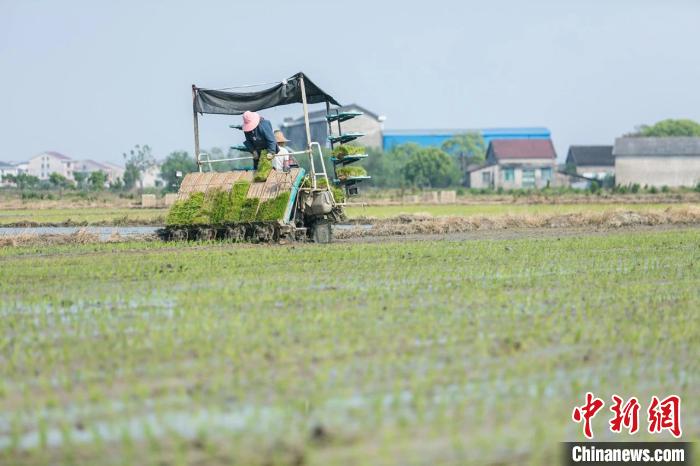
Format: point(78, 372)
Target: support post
point(196, 127)
point(308, 131)
point(306, 112)
point(330, 133)
point(330, 126)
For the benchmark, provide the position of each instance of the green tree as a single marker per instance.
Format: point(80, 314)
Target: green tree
point(430, 168)
point(386, 168)
point(669, 128)
point(116, 185)
point(131, 176)
point(97, 180)
point(59, 181)
point(468, 146)
point(80, 179)
point(179, 161)
point(467, 149)
point(23, 180)
point(138, 160)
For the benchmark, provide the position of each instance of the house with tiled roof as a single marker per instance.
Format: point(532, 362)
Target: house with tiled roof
point(516, 164)
point(369, 123)
point(592, 162)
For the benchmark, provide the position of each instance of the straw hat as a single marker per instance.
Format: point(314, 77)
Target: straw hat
point(279, 136)
point(251, 120)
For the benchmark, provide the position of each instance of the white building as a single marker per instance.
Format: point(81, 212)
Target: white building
point(115, 171)
point(46, 163)
point(7, 169)
point(22, 167)
point(88, 166)
point(151, 177)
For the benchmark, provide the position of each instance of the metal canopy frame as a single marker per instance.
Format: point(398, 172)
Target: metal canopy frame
point(309, 144)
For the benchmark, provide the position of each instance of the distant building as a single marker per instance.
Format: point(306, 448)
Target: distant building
point(435, 137)
point(668, 161)
point(88, 166)
point(516, 163)
point(592, 162)
point(114, 171)
point(151, 177)
point(369, 123)
point(46, 163)
point(22, 167)
point(7, 169)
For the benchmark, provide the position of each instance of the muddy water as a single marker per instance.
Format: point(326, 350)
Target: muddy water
point(102, 232)
point(105, 232)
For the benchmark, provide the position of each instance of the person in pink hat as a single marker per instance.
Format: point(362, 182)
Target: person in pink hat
point(258, 136)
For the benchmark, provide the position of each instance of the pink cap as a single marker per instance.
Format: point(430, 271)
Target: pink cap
point(251, 120)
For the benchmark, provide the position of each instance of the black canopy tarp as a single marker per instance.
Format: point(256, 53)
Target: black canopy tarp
point(235, 103)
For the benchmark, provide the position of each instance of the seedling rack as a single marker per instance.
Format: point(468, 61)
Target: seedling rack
point(338, 116)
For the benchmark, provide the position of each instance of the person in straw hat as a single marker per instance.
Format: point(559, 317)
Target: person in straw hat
point(258, 136)
point(281, 160)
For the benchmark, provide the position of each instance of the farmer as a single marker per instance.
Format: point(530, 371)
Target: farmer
point(281, 161)
point(258, 136)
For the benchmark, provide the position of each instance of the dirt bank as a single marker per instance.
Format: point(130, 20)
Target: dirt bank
point(427, 225)
point(79, 237)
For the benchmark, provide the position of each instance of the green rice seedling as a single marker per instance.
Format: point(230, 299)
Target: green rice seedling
point(273, 209)
point(338, 194)
point(187, 212)
point(237, 198)
point(249, 209)
point(347, 172)
point(339, 152)
point(320, 183)
point(217, 207)
point(226, 206)
point(264, 167)
point(219, 203)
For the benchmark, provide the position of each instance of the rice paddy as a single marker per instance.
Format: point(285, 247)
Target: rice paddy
point(423, 352)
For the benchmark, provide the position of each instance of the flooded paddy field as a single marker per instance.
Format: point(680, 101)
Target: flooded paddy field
point(393, 352)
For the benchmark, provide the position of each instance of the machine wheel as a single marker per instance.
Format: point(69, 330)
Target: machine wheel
point(206, 234)
point(321, 232)
point(265, 233)
point(178, 234)
point(236, 233)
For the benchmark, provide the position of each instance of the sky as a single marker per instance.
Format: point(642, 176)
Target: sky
point(91, 79)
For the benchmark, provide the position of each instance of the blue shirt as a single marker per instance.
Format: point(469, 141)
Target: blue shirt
point(261, 138)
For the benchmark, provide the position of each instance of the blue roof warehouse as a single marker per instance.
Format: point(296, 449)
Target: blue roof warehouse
point(435, 137)
point(372, 126)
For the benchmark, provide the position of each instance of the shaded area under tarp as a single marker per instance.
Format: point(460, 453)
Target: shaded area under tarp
point(235, 103)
